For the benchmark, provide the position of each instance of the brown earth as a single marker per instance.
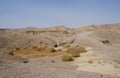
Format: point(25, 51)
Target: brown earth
point(101, 61)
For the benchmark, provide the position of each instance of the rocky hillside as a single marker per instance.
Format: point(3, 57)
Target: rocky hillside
point(57, 36)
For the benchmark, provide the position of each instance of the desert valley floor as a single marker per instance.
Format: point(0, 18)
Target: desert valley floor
point(37, 52)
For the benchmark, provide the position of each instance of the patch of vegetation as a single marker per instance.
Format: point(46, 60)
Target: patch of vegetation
point(105, 41)
point(25, 48)
point(117, 61)
point(51, 49)
point(75, 54)
point(115, 66)
point(17, 48)
point(67, 46)
point(46, 49)
point(52, 61)
point(67, 58)
point(39, 49)
point(90, 61)
point(11, 53)
point(99, 62)
point(25, 61)
point(34, 47)
point(75, 51)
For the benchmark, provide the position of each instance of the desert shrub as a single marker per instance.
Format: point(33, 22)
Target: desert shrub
point(51, 49)
point(75, 54)
point(81, 49)
point(46, 49)
point(25, 48)
point(115, 66)
point(17, 48)
point(67, 58)
point(25, 61)
point(99, 62)
point(90, 61)
point(105, 41)
point(52, 61)
point(67, 46)
point(34, 47)
point(11, 53)
point(55, 45)
point(75, 51)
point(118, 62)
point(39, 49)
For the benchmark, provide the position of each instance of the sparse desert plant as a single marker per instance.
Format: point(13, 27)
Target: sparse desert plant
point(115, 66)
point(105, 41)
point(90, 61)
point(99, 62)
point(75, 54)
point(81, 49)
point(39, 49)
point(17, 48)
point(34, 47)
point(76, 50)
point(46, 49)
point(51, 49)
point(25, 48)
point(55, 45)
point(67, 46)
point(52, 61)
point(11, 53)
point(67, 58)
point(118, 62)
point(25, 61)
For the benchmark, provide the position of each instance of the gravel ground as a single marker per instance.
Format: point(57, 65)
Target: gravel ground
point(44, 67)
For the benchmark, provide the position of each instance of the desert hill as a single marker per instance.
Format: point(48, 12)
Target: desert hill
point(101, 41)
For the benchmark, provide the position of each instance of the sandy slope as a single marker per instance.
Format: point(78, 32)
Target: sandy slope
point(98, 64)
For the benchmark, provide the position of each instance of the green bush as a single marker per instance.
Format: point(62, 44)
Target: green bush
point(67, 58)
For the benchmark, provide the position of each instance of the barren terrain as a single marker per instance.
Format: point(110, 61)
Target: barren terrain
point(36, 52)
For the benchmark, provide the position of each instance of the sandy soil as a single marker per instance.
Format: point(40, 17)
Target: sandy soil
point(101, 61)
point(43, 67)
point(94, 62)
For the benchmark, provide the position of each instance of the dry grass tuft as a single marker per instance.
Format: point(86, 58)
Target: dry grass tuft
point(67, 46)
point(67, 58)
point(90, 61)
point(11, 53)
point(17, 48)
point(52, 61)
point(75, 51)
point(34, 47)
point(51, 49)
point(75, 54)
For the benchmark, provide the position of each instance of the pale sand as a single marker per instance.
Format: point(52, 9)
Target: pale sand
point(99, 64)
